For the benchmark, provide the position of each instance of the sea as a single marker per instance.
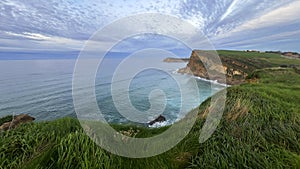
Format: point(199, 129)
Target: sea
point(43, 89)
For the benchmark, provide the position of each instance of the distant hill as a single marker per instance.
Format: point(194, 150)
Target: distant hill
point(292, 55)
point(176, 60)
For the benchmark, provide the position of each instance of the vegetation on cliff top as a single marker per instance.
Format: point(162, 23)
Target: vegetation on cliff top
point(237, 64)
point(260, 128)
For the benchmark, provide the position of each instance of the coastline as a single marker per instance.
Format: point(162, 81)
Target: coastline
point(202, 79)
point(246, 133)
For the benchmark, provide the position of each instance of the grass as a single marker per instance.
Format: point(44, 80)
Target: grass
point(264, 132)
point(255, 60)
point(6, 119)
point(273, 59)
point(260, 128)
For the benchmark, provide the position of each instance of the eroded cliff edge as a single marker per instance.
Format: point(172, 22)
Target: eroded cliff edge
point(236, 65)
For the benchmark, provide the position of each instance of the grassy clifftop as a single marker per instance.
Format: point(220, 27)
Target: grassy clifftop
point(237, 64)
point(260, 128)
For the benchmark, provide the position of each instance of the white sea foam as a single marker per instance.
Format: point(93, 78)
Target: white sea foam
point(160, 124)
point(203, 79)
point(212, 81)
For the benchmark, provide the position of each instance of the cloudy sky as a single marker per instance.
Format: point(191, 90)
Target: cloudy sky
point(60, 28)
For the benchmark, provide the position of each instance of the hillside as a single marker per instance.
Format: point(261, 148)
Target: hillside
point(237, 64)
point(260, 128)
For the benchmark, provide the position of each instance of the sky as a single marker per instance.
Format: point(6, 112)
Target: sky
point(60, 28)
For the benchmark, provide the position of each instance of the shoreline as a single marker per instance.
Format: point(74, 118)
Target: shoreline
point(202, 78)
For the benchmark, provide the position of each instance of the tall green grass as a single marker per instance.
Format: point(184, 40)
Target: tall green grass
point(267, 135)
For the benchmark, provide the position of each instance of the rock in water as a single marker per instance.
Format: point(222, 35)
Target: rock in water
point(160, 118)
point(17, 120)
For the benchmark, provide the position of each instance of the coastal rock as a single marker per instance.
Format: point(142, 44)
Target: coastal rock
point(17, 120)
point(234, 70)
point(198, 64)
point(160, 118)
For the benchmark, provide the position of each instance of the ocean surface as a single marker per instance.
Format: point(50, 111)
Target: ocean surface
point(43, 89)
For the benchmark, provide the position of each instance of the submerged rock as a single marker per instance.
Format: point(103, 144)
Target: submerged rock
point(160, 118)
point(16, 121)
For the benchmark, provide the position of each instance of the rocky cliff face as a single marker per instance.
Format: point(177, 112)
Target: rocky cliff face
point(200, 64)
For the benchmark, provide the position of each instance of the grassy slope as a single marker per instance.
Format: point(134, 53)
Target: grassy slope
point(256, 60)
point(260, 128)
point(271, 58)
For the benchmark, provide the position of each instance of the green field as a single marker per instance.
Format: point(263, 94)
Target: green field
point(260, 58)
point(260, 128)
point(255, 60)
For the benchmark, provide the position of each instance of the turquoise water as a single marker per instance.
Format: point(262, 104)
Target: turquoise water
point(43, 89)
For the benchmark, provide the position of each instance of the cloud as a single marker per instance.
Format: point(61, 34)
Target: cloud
point(285, 15)
point(38, 42)
point(56, 25)
point(280, 26)
point(28, 35)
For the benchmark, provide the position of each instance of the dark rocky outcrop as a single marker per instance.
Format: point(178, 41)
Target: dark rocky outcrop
point(16, 121)
point(160, 118)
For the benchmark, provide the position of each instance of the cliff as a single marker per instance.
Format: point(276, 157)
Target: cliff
point(236, 65)
point(234, 70)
